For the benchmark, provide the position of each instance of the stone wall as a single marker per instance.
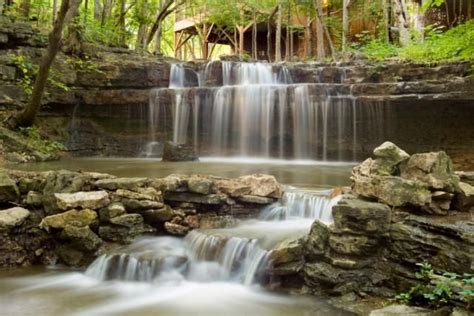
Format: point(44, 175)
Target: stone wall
point(71, 217)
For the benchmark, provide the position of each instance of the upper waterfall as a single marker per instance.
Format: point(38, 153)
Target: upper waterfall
point(256, 110)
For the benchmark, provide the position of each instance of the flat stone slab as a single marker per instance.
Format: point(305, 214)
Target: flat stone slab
point(13, 217)
point(121, 183)
point(91, 200)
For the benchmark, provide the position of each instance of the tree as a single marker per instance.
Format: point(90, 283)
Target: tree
point(26, 117)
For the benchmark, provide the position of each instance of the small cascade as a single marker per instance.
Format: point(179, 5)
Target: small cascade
point(302, 204)
point(254, 110)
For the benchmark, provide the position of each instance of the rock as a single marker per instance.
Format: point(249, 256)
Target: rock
point(361, 217)
point(61, 181)
point(232, 187)
point(12, 217)
point(138, 205)
point(8, 190)
point(86, 200)
point(401, 310)
point(389, 156)
point(158, 216)
point(466, 176)
point(82, 238)
point(289, 250)
point(73, 217)
point(149, 194)
point(396, 191)
point(70, 255)
point(34, 199)
point(173, 182)
point(112, 210)
point(132, 184)
point(176, 229)
point(178, 152)
point(192, 221)
point(434, 168)
point(358, 245)
point(214, 221)
point(465, 197)
point(262, 185)
point(127, 220)
point(317, 241)
point(202, 185)
point(122, 234)
point(195, 198)
point(256, 199)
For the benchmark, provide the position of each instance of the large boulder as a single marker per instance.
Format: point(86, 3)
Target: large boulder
point(73, 218)
point(178, 152)
point(434, 168)
point(91, 200)
point(13, 217)
point(202, 185)
point(289, 250)
point(465, 197)
point(388, 157)
point(317, 240)
point(396, 191)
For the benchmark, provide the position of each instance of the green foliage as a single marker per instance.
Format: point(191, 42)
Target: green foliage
point(439, 289)
point(84, 65)
point(379, 50)
point(34, 138)
point(456, 44)
point(28, 71)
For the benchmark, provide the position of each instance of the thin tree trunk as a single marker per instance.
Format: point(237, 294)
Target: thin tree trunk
point(254, 36)
point(97, 10)
point(418, 21)
point(141, 33)
point(469, 9)
point(55, 10)
point(287, 37)
point(386, 20)
point(121, 23)
point(269, 33)
point(402, 22)
point(66, 13)
point(309, 38)
point(278, 34)
point(319, 11)
point(345, 23)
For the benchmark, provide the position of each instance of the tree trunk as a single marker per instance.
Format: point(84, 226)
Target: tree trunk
point(287, 37)
point(121, 23)
point(254, 36)
point(386, 20)
point(97, 10)
point(269, 33)
point(27, 116)
point(418, 21)
point(141, 33)
point(278, 34)
point(309, 38)
point(25, 6)
point(55, 10)
point(402, 22)
point(469, 9)
point(319, 12)
point(345, 23)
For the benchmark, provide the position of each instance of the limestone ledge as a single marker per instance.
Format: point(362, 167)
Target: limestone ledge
point(71, 217)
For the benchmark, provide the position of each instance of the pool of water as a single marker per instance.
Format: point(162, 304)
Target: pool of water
point(296, 173)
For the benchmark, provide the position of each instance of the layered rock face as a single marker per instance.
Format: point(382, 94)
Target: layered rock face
point(402, 210)
point(71, 216)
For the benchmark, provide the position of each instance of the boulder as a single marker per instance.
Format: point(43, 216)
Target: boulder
point(262, 185)
point(12, 217)
point(71, 256)
point(434, 168)
point(178, 152)
point(138, 205)
point(155, 216)
point(34, 198)
point(73, 218)
point(202, 185)
point(122, 234)
point(465, 197)
point(112, 210)
point(8, 190)
point(82, 238)
point(143, 194)
point(289, 250)
point(361, 217)
point(357, 245)
point(317, 240)
point(401, 310)
point(232, 187)
point(176, 229)
point(396, 191)
point(86, 200)
point(173, 182)
point(388, 157)
point(132, 184)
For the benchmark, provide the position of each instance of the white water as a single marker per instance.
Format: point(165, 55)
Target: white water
point(259, 112)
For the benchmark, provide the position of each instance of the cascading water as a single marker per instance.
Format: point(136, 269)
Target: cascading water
point(254, 110)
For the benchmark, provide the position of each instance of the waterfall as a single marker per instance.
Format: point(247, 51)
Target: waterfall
point(255, 110)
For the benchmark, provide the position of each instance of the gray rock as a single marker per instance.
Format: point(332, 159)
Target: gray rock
point(121, 183)
point(317, 240)
point(34, 198)
point(233, 187)
point(13, 217)
point(396, 191)
point(145, 194)
point(262, 185)
point(256, 199)
point(361, 217)
point(176, 229)
point(357, 245)
point(112, 210)
point(178, 152)
point(173, 182)
point(465, 197)
point(434, 168)
point(138, 205)
point(389, 156)
point(90, 200)
point(158, 216)
point(289, 250)
point(202, 185)
point(195, 198)
point(82, 238)
point(128, 220)
point(73, 217)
